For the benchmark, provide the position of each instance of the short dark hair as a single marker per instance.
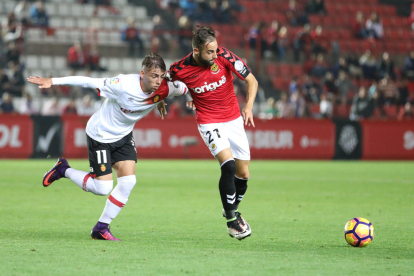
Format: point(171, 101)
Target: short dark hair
point(153, 60)
point(202, 35)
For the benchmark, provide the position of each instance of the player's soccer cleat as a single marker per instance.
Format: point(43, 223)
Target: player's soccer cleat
point(239, 218)
point(238, 229)
point(55, 173)
point(104, 234)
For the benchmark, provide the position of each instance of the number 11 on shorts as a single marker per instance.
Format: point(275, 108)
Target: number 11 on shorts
point(98, 154)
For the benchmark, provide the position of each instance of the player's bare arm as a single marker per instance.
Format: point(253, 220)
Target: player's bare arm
point(41, 82)
point(247, 112)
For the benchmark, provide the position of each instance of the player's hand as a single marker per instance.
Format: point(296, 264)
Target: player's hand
point(41, 82)
point(191, 105)
point(161, 109)
point(247, 117)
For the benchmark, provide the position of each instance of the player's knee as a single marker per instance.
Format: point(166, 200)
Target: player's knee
point(126, 184)
point(243, 175)
point(103, 187)
point(228, 167)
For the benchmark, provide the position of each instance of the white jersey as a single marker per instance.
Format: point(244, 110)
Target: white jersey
point(125, 103)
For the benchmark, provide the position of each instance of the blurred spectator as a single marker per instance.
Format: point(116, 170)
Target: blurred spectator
point(271, 110)
point(340, 65)
point(160, 38)
point(386, 67)
point(272, 37)
point(283, 106)
point(293, 85)
point(358, 26)
point(408, 69)
point(325, 106)
point(76, 57)
point(368, 65)
point(206, 12)
point(373, 88)
point(295, 15)
point(189, 7)
point(302, 42)
point(94, 58)
point(298, 104)
point(18, 82)
point(11, 29)
point(22, 12)
point(38, 15)
point(345, 85)
point(70, 108)
point(320, 68)
point(379, 102)
point(403, 93)
point(4, 82)
point(255, 35)
point(318, 41)
point(316, 7)
point(6, 103)
point(406, 113)
point(130, 34)
point(311, 89)
point(26, 105)
point(51, 107)
point(329, 86)
point(354, 66)
point(87, 108)
point(12, 54)
point(389, 90)
point(374, 26)
point(282, 43)
point(185, 35)
point(362, 106)
point(224, 14)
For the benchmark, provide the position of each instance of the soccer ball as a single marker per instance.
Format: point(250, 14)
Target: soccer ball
point(359, 232)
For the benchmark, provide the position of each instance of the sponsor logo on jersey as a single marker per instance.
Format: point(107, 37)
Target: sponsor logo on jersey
point(105, 82)
point(210, 87)
point(215, 68)
point(156, 98)
point(193, 77)
point(115, 80)
point(130, 111)
point(103, 168)
point(239, 66)
point(91, 169)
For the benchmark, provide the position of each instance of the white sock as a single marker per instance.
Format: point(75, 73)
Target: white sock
point(118, 198)
point(89, 184)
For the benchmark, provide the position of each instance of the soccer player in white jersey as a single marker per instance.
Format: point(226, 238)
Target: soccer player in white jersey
point(109, 133)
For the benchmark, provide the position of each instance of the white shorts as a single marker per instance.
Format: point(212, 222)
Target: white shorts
point(220, 136)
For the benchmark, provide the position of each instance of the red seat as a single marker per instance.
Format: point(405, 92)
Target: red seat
point(391, 111)
point(285, 70)
point(272, 69)
point(314, 108)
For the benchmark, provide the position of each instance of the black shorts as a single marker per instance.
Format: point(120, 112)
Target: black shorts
point(102, 156)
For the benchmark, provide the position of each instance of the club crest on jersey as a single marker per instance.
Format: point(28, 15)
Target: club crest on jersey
point(156, 99)
point(213, 146)
point(103, 168)
point(115, 80)
point(215, 68)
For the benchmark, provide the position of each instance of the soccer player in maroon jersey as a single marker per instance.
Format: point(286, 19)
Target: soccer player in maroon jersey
point(207, 72)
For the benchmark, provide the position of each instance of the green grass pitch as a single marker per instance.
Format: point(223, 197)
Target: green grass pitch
point(172, 224)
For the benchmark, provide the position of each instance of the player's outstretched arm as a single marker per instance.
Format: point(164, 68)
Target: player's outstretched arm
point(247, 112)
point(41, 82)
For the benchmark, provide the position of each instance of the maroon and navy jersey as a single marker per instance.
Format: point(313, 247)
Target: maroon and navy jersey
point(212, 87)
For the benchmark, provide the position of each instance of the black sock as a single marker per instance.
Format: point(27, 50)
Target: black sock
point(227, 188)
point(241, 187)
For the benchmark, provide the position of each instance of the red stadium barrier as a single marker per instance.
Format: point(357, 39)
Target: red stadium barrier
point(179, 138)
point(16, 136)
point(388, 140)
